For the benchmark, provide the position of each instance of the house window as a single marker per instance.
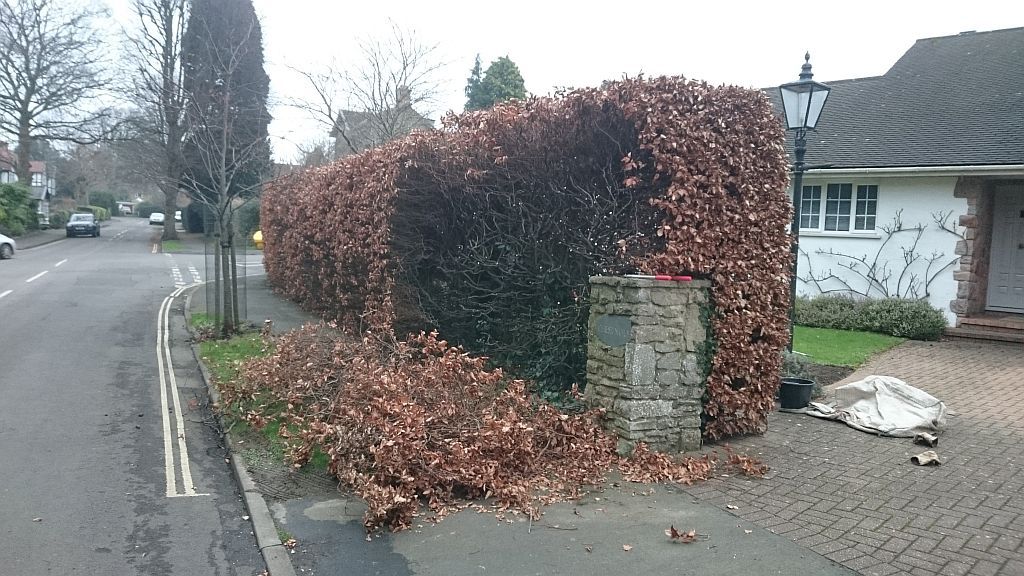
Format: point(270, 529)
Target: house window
point(810, 207)
point(838, 198)
point(37, 179)
point(867, 202)
point(844, 207)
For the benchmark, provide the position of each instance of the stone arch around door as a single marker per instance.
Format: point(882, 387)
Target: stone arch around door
point(971, 306)
point(974, 248)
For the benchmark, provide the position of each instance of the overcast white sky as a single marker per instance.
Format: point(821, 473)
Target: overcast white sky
point(577, 43)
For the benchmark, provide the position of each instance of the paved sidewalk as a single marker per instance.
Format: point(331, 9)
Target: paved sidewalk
point(39, 237)
point(856, 498)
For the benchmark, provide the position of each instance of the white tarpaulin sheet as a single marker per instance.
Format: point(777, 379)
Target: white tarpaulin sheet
point(884, 405)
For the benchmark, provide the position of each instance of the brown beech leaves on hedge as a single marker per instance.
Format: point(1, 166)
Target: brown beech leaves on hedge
point(419, 422)
point(487, 229)
point(726, 213)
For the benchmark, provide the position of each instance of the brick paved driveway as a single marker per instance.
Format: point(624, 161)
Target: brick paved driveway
point(856, 498)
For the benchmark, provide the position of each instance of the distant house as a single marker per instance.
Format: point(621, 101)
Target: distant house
point(42, 184)
point(355, 131)
point(923, 193)
point(7, 164)
point(282, 169)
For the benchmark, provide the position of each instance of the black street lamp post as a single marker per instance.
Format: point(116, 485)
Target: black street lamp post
point(802, 102)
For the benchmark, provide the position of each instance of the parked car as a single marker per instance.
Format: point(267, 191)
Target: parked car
point(82, 225)
point(156, 218)
point(7, 247)
point(177, 215)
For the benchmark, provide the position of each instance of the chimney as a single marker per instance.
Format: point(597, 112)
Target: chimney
point(404, 97)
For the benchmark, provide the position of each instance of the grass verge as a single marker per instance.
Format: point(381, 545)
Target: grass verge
point(840, 347)
point(170, 246)
point(224, 359)
point(202, 322)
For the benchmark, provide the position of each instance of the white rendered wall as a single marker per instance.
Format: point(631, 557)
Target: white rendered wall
point(920, 199)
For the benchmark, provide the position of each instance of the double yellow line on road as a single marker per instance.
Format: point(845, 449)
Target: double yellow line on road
point(168, 397)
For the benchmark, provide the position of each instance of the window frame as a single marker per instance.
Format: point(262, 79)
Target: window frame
point(870, 198)
point(847, 196)
point(838, 204)
point(815, 201)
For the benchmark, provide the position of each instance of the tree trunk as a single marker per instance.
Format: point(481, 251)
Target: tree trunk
point(171, 179)
point(229, 314)
point(217, 311)
point(228, 321)
point(170, 207)
point(24, 167)
point(234, 279)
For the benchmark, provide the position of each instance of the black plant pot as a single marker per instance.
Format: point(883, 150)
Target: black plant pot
point(795, 393)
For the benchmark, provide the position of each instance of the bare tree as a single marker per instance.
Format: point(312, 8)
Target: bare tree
point(85, 166)
point(155, 48)
point(108, 166)
point(377, 100)
point(50, 75)
point(226, 149)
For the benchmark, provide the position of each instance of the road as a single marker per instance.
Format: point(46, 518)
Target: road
point(109, 461)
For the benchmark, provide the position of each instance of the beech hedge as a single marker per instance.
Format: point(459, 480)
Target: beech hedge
point(489, 228)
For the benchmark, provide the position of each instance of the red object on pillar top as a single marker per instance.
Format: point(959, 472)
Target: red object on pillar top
point(660, 277)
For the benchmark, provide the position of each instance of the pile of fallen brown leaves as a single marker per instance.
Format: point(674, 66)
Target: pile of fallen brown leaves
point(747, 465)
point(419, 421)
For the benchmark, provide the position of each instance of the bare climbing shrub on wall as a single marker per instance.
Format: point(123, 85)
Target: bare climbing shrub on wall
point(489, 228)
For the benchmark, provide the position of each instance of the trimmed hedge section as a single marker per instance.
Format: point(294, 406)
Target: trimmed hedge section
point(489, 228)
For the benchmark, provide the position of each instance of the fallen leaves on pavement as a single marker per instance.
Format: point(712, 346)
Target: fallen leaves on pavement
point(677, 536)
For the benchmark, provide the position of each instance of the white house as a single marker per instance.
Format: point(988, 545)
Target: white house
point(916, 184)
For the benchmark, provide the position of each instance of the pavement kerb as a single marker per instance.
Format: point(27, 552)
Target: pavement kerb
point(32, 243)
point(275, 555)
point(43, 243)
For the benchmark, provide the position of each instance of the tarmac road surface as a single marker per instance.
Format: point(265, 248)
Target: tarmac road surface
point(109, 462)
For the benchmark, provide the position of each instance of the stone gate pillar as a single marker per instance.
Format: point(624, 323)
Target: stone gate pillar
point(642, 359)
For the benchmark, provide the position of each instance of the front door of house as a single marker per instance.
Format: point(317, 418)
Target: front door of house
point(1006, 266)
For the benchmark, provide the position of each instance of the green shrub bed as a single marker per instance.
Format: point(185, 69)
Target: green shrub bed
point(903, 318)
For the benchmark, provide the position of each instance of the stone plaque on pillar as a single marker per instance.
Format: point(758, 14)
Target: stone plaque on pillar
point(613, 329)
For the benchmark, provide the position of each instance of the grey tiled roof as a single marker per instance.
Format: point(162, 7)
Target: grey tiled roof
point(949, 101)
point(364, 129)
